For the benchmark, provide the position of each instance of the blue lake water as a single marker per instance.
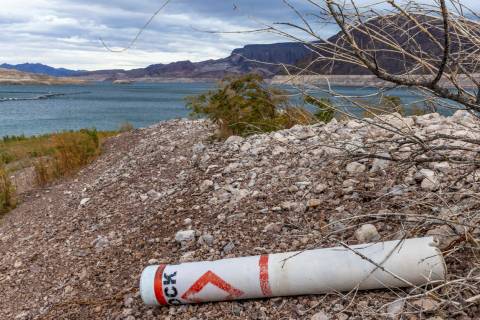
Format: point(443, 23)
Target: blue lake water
point(33, 110)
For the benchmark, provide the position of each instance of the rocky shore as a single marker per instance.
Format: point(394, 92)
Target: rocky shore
point(167, 194)
point(14, 77)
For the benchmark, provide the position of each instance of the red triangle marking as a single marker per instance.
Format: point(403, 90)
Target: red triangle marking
point(210, 277)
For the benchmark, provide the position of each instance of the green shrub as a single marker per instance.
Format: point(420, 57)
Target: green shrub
point(241, 106)
point(325, 109)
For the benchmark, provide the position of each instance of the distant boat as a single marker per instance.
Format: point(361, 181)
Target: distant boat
point(122, 82)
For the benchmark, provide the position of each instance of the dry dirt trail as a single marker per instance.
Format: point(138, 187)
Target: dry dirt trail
point(76, 249)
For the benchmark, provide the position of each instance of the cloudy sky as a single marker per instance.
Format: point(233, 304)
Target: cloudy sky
point(66, 33)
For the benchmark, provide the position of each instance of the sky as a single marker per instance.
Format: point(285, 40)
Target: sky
point(67, 33)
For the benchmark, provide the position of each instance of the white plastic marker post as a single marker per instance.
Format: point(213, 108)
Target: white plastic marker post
point(369, 266)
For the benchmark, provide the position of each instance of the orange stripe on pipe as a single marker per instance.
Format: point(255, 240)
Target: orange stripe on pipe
point(264, 281)
point(158, 286)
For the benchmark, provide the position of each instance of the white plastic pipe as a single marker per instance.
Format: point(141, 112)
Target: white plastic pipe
point(411, 262)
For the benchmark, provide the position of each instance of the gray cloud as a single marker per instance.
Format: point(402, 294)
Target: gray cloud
point(66, 32)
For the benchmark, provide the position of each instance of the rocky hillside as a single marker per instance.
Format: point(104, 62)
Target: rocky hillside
point(76, 250)
point(259, 58)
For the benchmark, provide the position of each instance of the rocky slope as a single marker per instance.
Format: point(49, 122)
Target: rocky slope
point(76, 250)
point(259, 58)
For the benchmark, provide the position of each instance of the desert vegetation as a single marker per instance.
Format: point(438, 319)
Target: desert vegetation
point(52, 156)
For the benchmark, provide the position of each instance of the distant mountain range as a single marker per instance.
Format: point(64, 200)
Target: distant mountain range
point(267, 59)
point(15, 77)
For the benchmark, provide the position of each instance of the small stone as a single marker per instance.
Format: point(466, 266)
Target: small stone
point(153, 261)
point(444, 236)
point(320, 316)
point(278, 150)
point(313, 203)
point(234, 140)
point(143, 197)
point(273, 227)
point(206, 185)
point(206, 239)
point(17, 264)
point(198, 148)
point(100, 242)
point(287, 205)
point(228, 247)
point(380, 164)
point(355, 167)
point(245, 147)
point(367, 233)
point(187, 222)
point(185, 236)
point(154, 194)
point(430, 183)
point(426, 304)
point(293, 188)
point(84, 201)
point(395, 308)
point(319, 188)
point(187, 256)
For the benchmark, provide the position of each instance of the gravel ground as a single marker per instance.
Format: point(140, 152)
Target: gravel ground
point(76, 249)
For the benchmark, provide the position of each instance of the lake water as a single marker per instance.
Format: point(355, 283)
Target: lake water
point(33, 110)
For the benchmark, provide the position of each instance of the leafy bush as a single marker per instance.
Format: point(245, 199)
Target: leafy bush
point(325, 110)
point(7, 192)
point(241, 106)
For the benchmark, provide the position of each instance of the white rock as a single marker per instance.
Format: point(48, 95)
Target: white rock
point(320, 316)
point(154, 194)
point(444, 235)
point(319, 188)
point(380, 164)
point(426, 304)
point(313, 203)
point(278, 150)
point(349, 183)
point(234, 140)
point(185, 236)
point(395, 308)
point(238, 195)
point(143, 197)
point(84, 201)
point(206, 239)
point(187, 222)
point(187, 256)
point(228, 247)
point(153, 261)
point(367, 233)
point(273, 227)
point(206, 185)
point(355, 167)
point(100, 242)
point(245, 147)
point(441, 166)
point(430, 183)
point(198, 148)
